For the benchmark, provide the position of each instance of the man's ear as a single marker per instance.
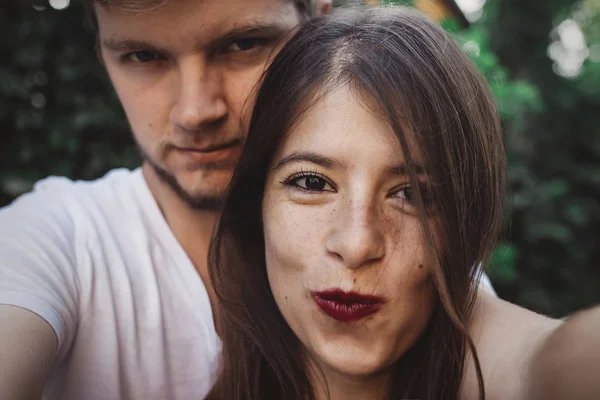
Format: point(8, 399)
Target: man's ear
point(324, 6)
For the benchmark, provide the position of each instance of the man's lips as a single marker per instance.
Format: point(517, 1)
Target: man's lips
point(211, 148)
point(213, 154)
point(347, 306)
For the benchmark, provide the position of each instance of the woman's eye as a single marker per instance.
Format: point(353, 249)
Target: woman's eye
point(405, 193)
point(312, 183)
point(143, 56)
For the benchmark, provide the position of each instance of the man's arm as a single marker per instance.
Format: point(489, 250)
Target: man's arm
point(27, 350)
point(567, 365)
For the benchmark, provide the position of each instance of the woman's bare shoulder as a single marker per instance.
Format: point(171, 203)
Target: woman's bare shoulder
point(507, 338)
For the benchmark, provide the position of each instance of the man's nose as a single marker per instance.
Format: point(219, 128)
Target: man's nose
point(200, 99)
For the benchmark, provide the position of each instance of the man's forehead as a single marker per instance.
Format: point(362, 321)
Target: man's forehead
point(178, 19)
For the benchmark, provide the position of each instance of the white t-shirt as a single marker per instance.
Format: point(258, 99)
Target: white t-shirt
point(98, 261)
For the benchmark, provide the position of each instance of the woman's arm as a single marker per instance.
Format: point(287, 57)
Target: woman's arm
point(567, 364)
point(528, 356)
point(506, 337)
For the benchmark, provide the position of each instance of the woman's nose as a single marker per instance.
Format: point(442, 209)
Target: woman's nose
point(356, 238)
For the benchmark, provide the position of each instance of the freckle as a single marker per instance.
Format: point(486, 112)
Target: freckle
point(286, 297)
point(354, 280)
point(149, 124)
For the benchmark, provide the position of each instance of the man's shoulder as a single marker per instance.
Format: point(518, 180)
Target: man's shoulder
point(113, 180)
point(57, 195)
point(67, 209)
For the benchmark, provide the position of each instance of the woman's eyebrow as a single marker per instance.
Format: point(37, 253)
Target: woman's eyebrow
point(402, 169)
point(307, 156)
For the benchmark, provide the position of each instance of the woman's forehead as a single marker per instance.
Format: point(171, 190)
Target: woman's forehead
point(343, 123)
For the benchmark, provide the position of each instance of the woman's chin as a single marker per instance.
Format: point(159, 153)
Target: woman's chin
point(353, 362)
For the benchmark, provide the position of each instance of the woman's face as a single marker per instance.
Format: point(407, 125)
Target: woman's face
point(344, 250)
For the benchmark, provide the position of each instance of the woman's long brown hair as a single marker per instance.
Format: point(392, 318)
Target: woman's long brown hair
point(417, 78)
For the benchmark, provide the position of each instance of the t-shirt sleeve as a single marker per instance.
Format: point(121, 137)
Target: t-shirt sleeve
point(38, 238)
point(487, 284)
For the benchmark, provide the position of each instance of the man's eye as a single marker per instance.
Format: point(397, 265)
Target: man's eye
point(143, 56)
point(245, 44)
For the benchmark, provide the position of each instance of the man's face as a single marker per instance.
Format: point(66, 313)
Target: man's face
point(185, 73)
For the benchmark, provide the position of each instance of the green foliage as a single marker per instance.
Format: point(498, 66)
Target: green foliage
point(58, 114)
point(503, 263)
point(516, 98)
point(549, 256)
point(398, 2)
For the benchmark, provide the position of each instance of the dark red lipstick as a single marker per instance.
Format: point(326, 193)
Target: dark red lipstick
point(346, 306)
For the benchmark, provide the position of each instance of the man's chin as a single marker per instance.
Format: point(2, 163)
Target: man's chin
point(201, 190)
point(202, 201)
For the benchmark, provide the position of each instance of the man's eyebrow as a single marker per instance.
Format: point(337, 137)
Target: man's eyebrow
point(254, 28)
point(121, 44)
point(311, 157)
point(239, 31)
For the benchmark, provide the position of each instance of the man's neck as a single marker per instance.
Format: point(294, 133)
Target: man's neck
point(192, 228)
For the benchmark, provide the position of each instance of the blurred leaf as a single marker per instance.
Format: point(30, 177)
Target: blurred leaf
point(502, 263)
